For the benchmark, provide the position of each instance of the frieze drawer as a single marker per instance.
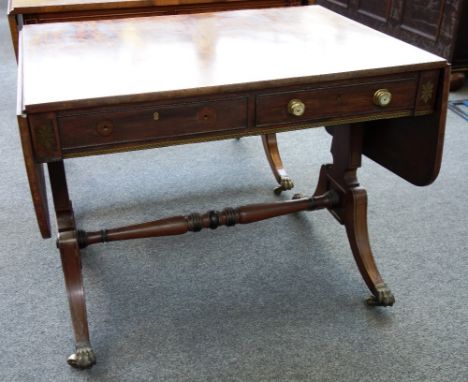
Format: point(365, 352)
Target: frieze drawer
point(338, 101)
point(148, 122)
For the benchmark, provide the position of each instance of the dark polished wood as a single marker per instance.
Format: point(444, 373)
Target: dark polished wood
point(270, 145)
point(195, 222)
point(393, 145)
point(22, 12)
point(341, 176)
point(35, 172)
point(173, 6)
point(349, 98)
point(67, 244)
point(152, 122)
point(176, 80)
point(207, 66)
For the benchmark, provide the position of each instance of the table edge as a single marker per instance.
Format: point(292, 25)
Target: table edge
point(221, 89)
point(121, 4)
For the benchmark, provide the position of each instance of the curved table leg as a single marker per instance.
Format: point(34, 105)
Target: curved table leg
point(83, 357)
point(355, 221)
point(270, 145)
point(67, 244)
point(352, 211)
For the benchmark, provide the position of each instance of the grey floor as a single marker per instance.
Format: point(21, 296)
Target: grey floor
point(275, 301)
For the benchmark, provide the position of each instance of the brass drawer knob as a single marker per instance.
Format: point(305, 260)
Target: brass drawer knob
point(382, 97)
point(296, 107)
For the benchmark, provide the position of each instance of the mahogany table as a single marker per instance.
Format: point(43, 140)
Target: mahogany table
point(168, 80)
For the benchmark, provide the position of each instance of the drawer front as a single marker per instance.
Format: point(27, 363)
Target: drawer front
point(146, 123)
point(336, 102)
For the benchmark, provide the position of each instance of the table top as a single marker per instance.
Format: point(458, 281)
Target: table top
point(39, 6)
point(76, 64)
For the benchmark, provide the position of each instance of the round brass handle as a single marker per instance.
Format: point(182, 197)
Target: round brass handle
point(382, 97)
point(296, 107)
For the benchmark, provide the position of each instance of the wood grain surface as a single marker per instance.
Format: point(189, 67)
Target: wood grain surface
point(45, 10)
point(67, 65)
point(19, 6)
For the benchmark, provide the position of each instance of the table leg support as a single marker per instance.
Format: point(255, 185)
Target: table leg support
point(195, 222)
point(67, 244)
point(83, 357)
point(355, 221)
point(352, 210)
point(270, 144)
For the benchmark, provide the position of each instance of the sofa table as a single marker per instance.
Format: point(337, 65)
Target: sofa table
point(168, 80)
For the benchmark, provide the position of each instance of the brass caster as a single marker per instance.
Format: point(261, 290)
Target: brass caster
point(286, 183)
point(83, 358)
point(384, 297)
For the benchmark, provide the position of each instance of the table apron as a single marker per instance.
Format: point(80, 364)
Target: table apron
point(108, 129)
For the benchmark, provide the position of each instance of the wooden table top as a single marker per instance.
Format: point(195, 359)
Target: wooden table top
point(88, 63)
point(40, 6)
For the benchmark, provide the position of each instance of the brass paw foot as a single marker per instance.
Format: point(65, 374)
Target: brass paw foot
point(286, 183)
point(83, 358)
point(384, 297)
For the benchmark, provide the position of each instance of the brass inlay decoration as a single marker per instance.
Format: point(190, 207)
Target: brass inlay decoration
point(296, 107)
point(244, 133)
point(427, 91)
point(382, 97)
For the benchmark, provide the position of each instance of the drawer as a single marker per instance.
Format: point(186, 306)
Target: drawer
point(336, 102)
point(151, 122)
